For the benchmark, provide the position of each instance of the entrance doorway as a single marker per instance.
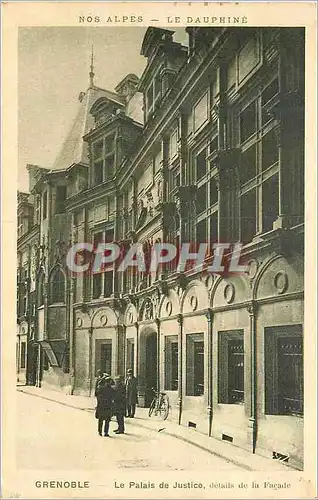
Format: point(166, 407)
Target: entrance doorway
point(32, 366)
point(151, 374)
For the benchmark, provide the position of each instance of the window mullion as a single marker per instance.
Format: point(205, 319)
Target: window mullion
point(104, 160)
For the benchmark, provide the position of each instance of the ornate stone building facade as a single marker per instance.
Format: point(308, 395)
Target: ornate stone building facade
point(206, 146)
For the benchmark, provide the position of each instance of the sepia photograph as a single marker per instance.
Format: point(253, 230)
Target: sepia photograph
point(160, 248)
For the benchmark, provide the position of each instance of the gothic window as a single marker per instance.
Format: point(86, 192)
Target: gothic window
point(57, 287)
point(231, 367)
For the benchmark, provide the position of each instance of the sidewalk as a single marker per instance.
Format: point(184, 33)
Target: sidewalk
point(221, 449)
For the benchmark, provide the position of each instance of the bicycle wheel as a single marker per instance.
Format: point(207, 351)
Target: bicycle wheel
point(152, 407)
point(164, 408)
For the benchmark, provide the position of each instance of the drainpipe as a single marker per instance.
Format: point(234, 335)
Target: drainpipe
point(72, 334)
point(137, 357)
point(158, 354)
point(253, 411)
point(180, 361)
point(137, 349)
point(209, 316)
point(124, 354)
point(90, 350)
point(39, 366)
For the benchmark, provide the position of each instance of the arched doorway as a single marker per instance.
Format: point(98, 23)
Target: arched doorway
point(148, 366)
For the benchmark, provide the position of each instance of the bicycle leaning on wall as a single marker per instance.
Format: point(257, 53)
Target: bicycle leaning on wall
point(159, 406)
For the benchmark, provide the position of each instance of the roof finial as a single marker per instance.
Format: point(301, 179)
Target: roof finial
point(92, 74)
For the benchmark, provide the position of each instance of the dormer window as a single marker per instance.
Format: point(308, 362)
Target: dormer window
point(153, 94)
point(98, 163)
point(60, 199)
point(103, 160)
point(201, 112)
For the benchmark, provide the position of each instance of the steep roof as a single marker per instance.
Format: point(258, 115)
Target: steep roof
point(74, 149)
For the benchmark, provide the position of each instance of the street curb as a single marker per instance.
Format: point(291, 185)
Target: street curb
point(55, 401)
point(188, 441)
point(138, 424)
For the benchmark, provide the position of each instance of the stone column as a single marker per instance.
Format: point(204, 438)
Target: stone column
point(209, 351)
point(45, 309)
point(120, 348)
point(227, 184)
point(253, 377)
point(183, 121)
point(180, 361)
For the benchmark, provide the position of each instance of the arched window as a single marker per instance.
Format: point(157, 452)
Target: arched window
point(57, 287)
point(41, 290)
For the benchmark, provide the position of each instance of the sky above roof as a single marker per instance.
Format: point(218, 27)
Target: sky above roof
point(54, 65)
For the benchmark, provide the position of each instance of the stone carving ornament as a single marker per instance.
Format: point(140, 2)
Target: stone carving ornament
point(281, 282)
point(229, 293)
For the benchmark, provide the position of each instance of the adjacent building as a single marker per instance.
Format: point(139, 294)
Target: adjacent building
point(207, 145)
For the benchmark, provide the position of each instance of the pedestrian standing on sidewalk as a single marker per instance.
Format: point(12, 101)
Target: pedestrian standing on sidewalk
point(120, 404)
point(99, 381)
point(131, 394)
point(105, 399)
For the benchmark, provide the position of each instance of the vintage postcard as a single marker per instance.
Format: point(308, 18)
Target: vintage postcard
point(158, 250)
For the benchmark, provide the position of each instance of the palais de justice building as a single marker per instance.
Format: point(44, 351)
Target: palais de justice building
point(206, 145)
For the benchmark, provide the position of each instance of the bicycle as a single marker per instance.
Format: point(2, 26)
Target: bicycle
point(159, 405)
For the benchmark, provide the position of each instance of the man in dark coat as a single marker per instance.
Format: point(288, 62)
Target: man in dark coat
point(105, 398)
point(120, 404)
point(100, 380)
point(131, 394)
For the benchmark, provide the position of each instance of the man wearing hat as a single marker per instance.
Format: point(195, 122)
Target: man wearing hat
point(131, 394)
point(120, 404)
point(105, 398)
point(100, 380)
